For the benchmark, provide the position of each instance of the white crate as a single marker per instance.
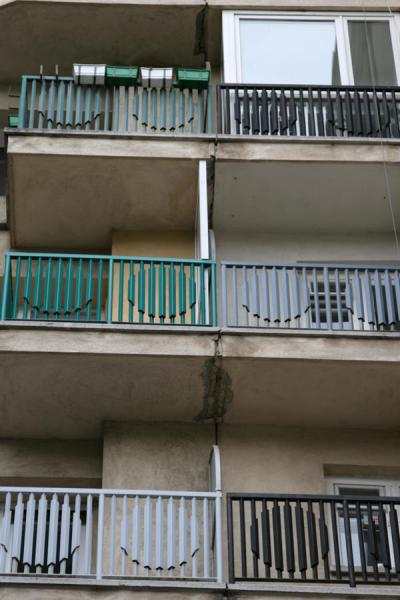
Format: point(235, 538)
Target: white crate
point(89, 74)
point(156, 77)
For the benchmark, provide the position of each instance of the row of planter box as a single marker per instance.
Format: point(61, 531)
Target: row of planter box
point(149, 76)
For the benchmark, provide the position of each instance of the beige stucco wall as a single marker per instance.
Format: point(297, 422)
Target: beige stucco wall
point(4, 239)
point(50, 462)
point(294, 460)
point(157, 455)
point(254, 458)
point(168, 244)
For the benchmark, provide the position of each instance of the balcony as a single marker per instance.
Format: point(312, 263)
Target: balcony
point(318, 539)
point(310, 111)
point(97, 534)
point(109, 289)
point(310, 296)
point(60, 104)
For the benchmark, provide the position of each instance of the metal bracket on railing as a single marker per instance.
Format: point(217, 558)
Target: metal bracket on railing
point(56, 72)
point(41, 72)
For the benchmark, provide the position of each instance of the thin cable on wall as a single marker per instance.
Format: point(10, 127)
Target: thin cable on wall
point(388, 195)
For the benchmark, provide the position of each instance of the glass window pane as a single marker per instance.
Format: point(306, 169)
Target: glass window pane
point(372, 53)
point(284, 52)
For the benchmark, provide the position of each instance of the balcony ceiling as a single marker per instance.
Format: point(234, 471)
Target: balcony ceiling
point(70, 193)
point(63, 383)
point(317, 187)
point(145, 33)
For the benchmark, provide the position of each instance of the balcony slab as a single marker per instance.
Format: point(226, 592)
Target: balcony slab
point(145, 32)
point(304, 185)
point(303, 590)
point(313, 381)
point(98, 184)
point(66, 381)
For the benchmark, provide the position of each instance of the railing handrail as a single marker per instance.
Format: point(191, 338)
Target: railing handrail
point(194, 261)
point(109, 492)
point(309, 265)
point(314, 87)
point(312, 497)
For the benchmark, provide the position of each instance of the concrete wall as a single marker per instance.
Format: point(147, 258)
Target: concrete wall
point(50, 463)
point(157, 455)
point(291, 460)
point(254, 458)
point(275, 247)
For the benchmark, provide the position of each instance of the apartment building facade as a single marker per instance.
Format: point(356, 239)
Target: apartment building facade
point(200, 299)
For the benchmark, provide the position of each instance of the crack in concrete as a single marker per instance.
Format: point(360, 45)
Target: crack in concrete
point(218, 394)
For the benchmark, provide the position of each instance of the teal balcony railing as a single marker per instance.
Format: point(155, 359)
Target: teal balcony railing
point(59, 103)
point(108, 289)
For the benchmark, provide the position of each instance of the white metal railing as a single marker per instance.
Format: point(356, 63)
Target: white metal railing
point(113, 533)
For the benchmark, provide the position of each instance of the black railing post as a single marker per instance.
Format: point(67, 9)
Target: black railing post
point(231, 551)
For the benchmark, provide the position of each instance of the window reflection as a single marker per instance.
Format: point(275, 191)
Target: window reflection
point(372, 53)
point(284, 52)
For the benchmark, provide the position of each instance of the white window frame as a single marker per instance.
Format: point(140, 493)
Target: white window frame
point(231, 38)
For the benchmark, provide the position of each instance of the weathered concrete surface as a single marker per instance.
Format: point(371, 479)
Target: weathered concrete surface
point(66, 385)
point(50, 462)
point(10, 592)
point(119, 182)
point(102, 184)
point(313, 186)
point(98, 32)
point(157, 455)
point(75, 379)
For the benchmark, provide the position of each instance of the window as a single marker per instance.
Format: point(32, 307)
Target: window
point(280, 49)
point(365, 545)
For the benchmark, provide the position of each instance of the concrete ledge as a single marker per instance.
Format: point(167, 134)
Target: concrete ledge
point(115, 145)
point(302, 589)
point(307, 149)
point(112, 582)
point(55, 340)
point(167, 340)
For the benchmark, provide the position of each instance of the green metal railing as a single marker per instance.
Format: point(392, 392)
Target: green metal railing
point(59, 103)
point(108, 289)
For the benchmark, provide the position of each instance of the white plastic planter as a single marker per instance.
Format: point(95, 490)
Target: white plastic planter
point(156, 78)
point(89, 74)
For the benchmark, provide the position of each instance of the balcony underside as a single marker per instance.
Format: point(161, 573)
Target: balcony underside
point(307, 186)
point(118, 33)
point(65, 383)
point(70, 193)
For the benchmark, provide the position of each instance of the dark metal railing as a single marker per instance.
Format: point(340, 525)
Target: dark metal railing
point(292, 110)
point(311, 296)
point(335, 539)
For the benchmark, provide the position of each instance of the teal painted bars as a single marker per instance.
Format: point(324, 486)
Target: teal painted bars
point(59, 103)
point(109, 289)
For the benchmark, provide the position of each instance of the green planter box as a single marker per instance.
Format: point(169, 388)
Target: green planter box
point(194, 79)
point(122, 75)
point(13, 120)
